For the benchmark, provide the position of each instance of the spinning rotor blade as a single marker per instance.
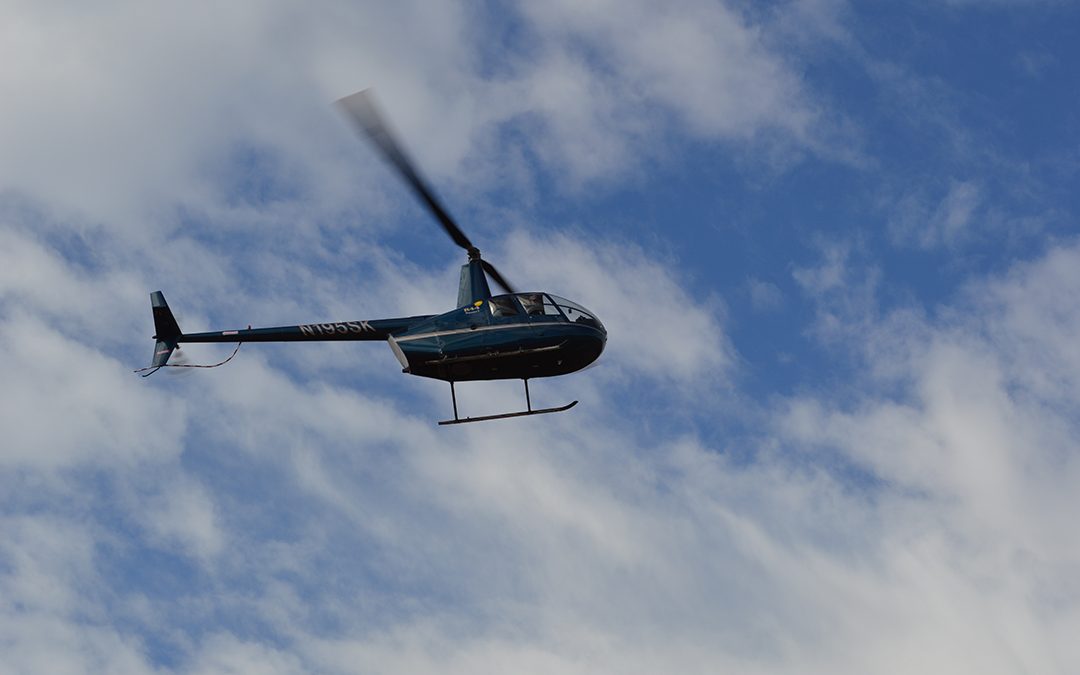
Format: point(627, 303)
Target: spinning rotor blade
point(360, 108)
point(496, 277)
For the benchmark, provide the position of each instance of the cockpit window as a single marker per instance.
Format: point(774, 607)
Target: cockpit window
point(503, 305)
point(550, 309)
point(532, 302)
point(539, 305)
point(575, 313)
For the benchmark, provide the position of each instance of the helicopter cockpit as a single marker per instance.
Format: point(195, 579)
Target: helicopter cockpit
point(541, 307)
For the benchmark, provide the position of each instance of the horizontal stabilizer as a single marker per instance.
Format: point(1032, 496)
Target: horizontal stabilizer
point(162, 352)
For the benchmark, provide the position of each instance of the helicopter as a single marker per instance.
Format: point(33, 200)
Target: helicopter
point(513, 335)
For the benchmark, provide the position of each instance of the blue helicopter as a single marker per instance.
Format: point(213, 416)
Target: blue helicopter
point(487, 337)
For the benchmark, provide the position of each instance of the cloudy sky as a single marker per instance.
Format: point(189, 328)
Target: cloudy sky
point(835, 429)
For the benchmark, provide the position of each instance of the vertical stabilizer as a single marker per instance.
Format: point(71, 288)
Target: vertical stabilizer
point(166, 330)
point(473, 285)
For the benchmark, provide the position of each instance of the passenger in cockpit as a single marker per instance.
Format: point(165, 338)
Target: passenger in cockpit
point(532, 302)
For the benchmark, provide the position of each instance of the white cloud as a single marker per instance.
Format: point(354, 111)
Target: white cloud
point(37, 279)
point(978, 457)
point(924, 532)
point(1037, 326)
point(948, 224)
point(48, 587)
point(184, 512)
point(702, 61)
point(955, 211)
point(765, 296)
point(227, 655)
point(65, 404)
point(831, 274)
point(122, 114)
point(655, 327)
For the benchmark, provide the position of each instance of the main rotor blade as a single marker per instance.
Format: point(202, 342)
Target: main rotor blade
point(360, 108)
point(496, 277)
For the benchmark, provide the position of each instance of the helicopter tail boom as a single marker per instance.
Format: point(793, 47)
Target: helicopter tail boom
point(168, 335)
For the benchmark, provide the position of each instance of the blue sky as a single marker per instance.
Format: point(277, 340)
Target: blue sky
point(834, 430)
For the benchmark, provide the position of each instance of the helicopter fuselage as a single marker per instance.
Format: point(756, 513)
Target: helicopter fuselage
point(519, 336)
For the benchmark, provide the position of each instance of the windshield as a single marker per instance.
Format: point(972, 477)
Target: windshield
point(575, 313)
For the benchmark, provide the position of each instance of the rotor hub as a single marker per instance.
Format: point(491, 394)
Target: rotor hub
point(474, 253)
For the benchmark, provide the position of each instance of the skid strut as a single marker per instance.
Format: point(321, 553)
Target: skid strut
point(501, 416)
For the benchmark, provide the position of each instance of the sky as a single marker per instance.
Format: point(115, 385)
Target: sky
point(835, 428)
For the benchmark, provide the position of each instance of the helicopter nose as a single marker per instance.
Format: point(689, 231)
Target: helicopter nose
point(596, 340)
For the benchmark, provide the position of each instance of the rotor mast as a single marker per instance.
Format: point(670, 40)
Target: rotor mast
point(473, 286)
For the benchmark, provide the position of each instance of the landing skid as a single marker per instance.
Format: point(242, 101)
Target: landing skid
point(502, 416)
